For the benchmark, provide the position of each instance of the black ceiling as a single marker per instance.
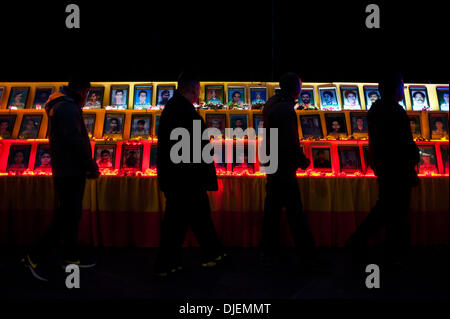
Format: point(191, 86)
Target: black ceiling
point(224, 40)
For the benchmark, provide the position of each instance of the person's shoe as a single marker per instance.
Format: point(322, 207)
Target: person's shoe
point(220, 260)
point(35, 270)
point(82, 263)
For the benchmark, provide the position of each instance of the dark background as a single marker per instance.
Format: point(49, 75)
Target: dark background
point(224, 40)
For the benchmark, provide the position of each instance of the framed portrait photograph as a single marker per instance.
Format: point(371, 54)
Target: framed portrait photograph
point(349, 159)
point(258, 95)
point(419, 98)
point(236, 95)
point(321, 158)
point(43, 159)
point(258, 122)
point(442, 95)
point(414, 123)
point(367, 167)
point(141, 125)
point(217, 121)
point(238, 121)
point(132, 157)
point(157, 117)
point(328, 98)
point(142, 97)
point(428, 161)
point(105, 155)
point(163, 94)
point(18, 97)
point(95, 97)
point(89, 121)
point(219, 156)
point(153, 154)
point(350, 98)
point(306, 99)
point(241, 159)
point(445, 158)
point(113, 125)
point(336, 124)
point(2, 93)
point(19, 157)
point(371, 95)
point(119, 97)
point(7, 123)
point(359, 123)
point(29, 128)
point(41, 97)
point(214, 94)
point(311, 125)
point(438, 123)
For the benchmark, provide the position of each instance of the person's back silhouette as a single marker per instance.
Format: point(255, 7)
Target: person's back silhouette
point(393, 157)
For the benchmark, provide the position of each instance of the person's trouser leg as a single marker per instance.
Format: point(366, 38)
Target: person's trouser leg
point(203, 228)
point(272, 214)
point(297, 219)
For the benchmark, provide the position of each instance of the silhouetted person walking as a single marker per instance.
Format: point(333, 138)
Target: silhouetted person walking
point(282, 187)
point(72, 163)
point(393, 157)
point(185, 185)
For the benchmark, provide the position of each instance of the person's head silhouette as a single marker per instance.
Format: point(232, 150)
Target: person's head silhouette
point(391, 86)
point(291, 84)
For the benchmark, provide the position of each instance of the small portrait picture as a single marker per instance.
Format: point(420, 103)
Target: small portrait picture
point(306, 99)
point(153, 154)
point(89, 121)
point(219, 156)
point(328, 98)
point(95, 97)
point(113, 126)
point(321, 158)
point(157, 117)
point(7, 125)
point(30, 126)
point(419, 98)
point(311, 125)
point(442, 95)
point(336, 124)
point(241, 160)
point(214, 94)
point(350, 98)
point(258, 122)
point(119, 97)
point(236, 95)
point(131, 157)
point(141, 125)
point(428, 162)
point(105, 155)
point(238, 121)
point(367, 169)
point(349, 159)
point(19, 156)
point(438, 125)
point(43, 158)
point(163, 94)
point(258, 95)
point(414, 123)
point(359, 123)
point(41, 97)
point(18, 97)
point(371, 95)
point(445, 158)
point(142, 97)
point(217, 121)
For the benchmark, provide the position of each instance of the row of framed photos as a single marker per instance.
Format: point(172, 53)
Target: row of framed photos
point(139, 124)
point(142, 97)
point(327, 157)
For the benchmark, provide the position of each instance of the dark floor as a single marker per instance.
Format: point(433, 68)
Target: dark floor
point(127, 274)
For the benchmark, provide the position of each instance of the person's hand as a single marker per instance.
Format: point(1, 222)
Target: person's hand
point(93, 171)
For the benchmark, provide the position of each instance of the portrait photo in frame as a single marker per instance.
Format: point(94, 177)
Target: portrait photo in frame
point(113, 125)
point(105, 155)
point(311, 125)
point(7, 123)
point(258, 95)
point(236, 95)
point(143, 95)
point(95, 97)
point(336, 124)
point(442, 95)
point(41, 97)
point(321, 158)
point(359, 123)
point(141, 125)
point(19, 157)
point(438, 123)
point(89, 121)
point(329, 99)
point(18, 97)
point(419, 98)
point(216, 120)
point(30, 126)
point(350, 97)
point(43, 159)
point(214, 94)
point(119, 97)
point(428, 160)
point(163, 94)
point(349, 158)
point(131, 158)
